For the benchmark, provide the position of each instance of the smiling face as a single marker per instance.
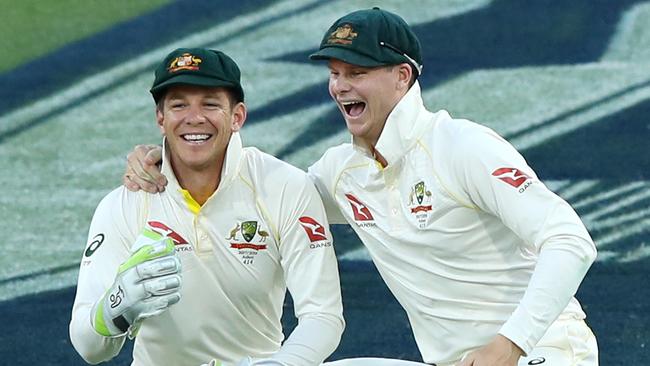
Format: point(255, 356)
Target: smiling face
point(198, 122)
point(366, 96)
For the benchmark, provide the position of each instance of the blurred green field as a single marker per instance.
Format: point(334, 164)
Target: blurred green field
point(33, 28)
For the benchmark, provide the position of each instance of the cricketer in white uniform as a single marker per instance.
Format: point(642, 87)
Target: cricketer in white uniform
point(214, 275)
point(462, 231)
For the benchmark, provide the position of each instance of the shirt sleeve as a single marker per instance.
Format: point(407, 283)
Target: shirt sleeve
point(109, 238)
point(322, 178)
point(497, 180)
point(311, 275)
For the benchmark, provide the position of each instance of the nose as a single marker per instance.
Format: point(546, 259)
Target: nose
point(195, 115)
point(339, 85)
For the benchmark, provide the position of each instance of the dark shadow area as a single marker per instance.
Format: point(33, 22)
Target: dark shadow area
point(505, 34)
point(612, 148)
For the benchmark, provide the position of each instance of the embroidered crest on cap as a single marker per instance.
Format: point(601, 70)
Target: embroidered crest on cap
point(184, 62)
point(342, 35)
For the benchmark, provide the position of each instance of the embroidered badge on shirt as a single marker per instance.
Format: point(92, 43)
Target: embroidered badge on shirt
point(246, 237)
point(420, 203)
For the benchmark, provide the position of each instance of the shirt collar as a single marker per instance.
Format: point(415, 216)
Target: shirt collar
point(400, 131)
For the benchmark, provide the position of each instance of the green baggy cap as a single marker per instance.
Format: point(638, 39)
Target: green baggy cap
point(370, 38)
point(197, 66)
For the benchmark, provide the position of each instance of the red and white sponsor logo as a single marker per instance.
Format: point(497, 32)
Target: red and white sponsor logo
point(360, 211)
point(314, 230)
point(165, 231)
point(512, 176)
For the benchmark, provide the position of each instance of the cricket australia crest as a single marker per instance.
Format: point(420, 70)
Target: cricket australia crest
point(420, 203)
point(247, 239)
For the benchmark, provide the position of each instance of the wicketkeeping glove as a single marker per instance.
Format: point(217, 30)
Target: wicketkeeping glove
point(145, 285)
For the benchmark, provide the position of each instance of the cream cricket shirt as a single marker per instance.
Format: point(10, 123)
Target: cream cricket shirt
point(456, 224)
point(264, 230)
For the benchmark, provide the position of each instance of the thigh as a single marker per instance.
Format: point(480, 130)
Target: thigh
point(567, 342)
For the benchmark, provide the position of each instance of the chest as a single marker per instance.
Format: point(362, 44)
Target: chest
point(407, 206)
point(228, 243)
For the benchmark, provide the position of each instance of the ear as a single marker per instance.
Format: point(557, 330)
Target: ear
point(404, 73)
point(239, 114)
point(160, 119)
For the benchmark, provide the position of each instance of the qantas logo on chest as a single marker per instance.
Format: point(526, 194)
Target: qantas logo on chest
point(359, 209)
point(166, 231)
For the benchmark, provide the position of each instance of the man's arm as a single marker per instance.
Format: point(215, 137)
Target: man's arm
point(498, 180)
point(117, 289)
point(311, 274)
point(105, 250)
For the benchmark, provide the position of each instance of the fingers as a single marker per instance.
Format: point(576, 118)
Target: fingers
point(150, 157)
point(142, 171)
point(157, 304)
point(158, 267)
point(164, 285)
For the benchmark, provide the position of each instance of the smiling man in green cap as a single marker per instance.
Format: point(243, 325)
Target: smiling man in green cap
point(483, 257)
point(203, 268)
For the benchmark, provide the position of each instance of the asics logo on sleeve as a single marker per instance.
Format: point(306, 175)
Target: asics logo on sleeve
point(360, 211)
point(314, 230)
point(512, 176)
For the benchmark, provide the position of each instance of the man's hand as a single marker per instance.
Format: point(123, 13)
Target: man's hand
point(500, 352)
point(145, 286)
point(142, 170)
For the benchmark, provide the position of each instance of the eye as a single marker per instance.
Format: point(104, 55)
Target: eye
point(212, 105)
point(177, 105)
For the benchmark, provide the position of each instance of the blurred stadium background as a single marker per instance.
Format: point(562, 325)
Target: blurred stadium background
point(568, 83)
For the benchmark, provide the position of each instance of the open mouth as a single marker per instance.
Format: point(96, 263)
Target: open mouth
point(196, 138)
point(354, 109)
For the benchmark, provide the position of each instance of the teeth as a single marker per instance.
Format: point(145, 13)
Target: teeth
point(196, 137)
point(349, 103)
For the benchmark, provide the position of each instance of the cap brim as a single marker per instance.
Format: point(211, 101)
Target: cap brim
point(345, 55)
point(184, 79)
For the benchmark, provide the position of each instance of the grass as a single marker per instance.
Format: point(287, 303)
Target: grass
point(32, 28)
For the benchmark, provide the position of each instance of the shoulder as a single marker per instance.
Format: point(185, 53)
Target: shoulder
point(334, 160)
point(121, 204)
point(455, 139)
point(268, 172)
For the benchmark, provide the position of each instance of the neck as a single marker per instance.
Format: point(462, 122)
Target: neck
point(378, 156)
point(200, 183)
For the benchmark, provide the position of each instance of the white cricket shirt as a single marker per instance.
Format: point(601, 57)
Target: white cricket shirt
point(264, 230)
point(456, 224)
